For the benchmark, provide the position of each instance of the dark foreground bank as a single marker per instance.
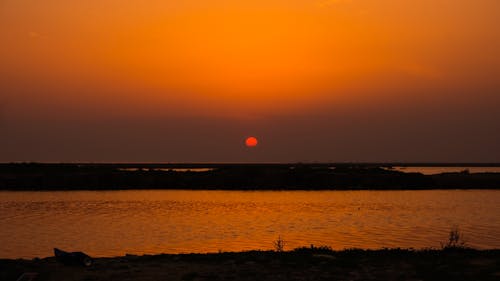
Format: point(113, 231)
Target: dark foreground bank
point(36, 176)
point(300, 264)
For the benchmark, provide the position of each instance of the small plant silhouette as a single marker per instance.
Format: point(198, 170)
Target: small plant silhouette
point(279, 245)
point(455, 240)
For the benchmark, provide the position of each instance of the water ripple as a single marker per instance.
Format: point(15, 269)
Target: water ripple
point(119, 222)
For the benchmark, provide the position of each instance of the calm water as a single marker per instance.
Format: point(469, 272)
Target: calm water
point(118, 222)
point(439, 170)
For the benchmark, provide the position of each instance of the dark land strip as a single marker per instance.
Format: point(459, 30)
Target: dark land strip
point(300, 264)
point(322, 176)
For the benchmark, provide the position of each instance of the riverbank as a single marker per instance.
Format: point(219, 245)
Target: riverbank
point(39, 176)
point(300, 264)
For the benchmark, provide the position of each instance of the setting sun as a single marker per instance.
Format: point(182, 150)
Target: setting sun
point(251, 142)
point(193, 134)
point(327, 73)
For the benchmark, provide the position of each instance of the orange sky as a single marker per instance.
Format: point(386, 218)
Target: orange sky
point(246, 62)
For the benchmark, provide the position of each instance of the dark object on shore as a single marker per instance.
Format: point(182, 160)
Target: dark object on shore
point(28, 276)
point(73, 258)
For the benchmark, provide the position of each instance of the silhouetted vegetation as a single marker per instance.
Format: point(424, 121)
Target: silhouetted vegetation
point(35, 176)
point(279, 244)
point(308, 263)
point(455, 240)
point(453, 262)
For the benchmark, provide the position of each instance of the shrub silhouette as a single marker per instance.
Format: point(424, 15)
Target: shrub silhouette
point(279, 245)
point(455, 240)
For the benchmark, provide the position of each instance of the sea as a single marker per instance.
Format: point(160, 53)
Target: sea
point(115, 223)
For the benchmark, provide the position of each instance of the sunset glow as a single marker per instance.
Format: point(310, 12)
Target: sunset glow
point(245, 64)
point(262, 139)
point(245, 55)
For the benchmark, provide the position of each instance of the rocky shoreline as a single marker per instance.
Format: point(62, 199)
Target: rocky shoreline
point(300, 264)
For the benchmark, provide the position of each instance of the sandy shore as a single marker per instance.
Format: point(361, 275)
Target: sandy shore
point(304, 264)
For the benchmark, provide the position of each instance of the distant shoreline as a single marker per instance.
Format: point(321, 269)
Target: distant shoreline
point(220, 176)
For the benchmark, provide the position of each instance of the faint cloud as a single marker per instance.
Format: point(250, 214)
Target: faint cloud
point(421, 70)
point(36, 35)
point(363, 12)
point(328, 3)
point(2, 113)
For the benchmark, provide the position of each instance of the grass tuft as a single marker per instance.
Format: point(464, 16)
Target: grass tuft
point(455, 240)
point(279, 244)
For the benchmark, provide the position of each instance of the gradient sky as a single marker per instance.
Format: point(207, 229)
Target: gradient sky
point(313, 80)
